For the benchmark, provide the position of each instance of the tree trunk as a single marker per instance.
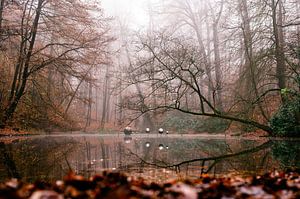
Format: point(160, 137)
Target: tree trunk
point(1, 16)
point(25, 74)
point(120, 115)
point(96, 103)
point(108, 111)
point(105, 97)
point(298, 27)
point(247, 68)
point(206, 62)
point(195, 25)
point(152, 67)
point(89, 107)
point(218, 87)
point(279, 42)
point(248, 75)
point(208, 46)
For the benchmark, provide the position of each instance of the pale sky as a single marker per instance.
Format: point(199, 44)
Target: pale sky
point(133, 12)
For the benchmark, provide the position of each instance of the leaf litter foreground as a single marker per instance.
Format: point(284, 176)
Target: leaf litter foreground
point(114, 185)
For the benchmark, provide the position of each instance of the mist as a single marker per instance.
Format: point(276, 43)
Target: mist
point(185, 65)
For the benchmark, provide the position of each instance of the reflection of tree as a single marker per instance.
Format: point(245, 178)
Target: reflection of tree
point(215, 159)
point(287, 153)
point(8, 161)
point(36, 158)
point(51, 158)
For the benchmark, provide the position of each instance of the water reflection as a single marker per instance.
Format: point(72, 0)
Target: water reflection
point(154, 157)
point(287, 153)
point(37, 157)
point(147, 144)
point(127, 139)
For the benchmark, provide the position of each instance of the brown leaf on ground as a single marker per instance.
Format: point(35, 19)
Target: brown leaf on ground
point(114, 185)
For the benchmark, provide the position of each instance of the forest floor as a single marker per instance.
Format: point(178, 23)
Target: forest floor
point(116, 185)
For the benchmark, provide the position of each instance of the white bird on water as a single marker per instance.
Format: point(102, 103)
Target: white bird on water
point(161, 130)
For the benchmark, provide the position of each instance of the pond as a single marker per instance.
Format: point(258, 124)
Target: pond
point(154, 157)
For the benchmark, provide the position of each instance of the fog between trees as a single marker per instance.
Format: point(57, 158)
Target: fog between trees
point(64, 65)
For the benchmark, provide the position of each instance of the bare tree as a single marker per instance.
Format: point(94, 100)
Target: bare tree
point(22, 67)
point(105, 98)
point(62, 41)
point(178, 69)
point(277, 21)
point(1, 15)
point(249, 76)
point(218, 85)
point(190, 16)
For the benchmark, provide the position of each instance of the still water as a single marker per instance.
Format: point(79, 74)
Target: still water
point(154, 157)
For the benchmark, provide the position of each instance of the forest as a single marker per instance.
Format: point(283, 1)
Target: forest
point(197, 67)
